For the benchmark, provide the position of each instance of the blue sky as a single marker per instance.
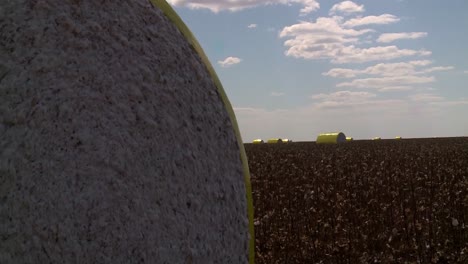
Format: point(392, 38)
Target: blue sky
point(296, 68)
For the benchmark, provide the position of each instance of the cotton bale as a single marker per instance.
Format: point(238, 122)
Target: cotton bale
point(285, 140)
point(118, 142)
point(258, 141)
point(274, 140)
point(331, 138)
point(349, 139)
point(398, 138)
point(376, 138)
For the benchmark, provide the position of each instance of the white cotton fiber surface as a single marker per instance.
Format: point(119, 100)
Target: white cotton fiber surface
point(115, 146)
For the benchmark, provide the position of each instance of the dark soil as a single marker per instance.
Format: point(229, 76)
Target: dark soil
point(382, 201)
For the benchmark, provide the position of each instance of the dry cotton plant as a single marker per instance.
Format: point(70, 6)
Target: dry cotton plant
point(384, 201)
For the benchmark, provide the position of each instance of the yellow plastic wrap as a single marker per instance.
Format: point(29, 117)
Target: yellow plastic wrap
point(172, 15)
point(331, 138)
point(275, 140)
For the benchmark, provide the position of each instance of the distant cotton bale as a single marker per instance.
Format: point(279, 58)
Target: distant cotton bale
point(258, 141)
point(285, 140)
point(331, 138)
point(398, 138)
point(349, 139)
point(376, 138)
point(275, 140)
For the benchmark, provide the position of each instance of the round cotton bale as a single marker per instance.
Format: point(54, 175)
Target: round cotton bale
point(285, 140)
point(376, 138)
point(257, 141)
point(398, 138)
point(118, 143)
point(274, 140)
point(349, 139)
point(331, 138)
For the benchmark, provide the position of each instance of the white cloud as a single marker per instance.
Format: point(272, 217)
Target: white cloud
point(391, 76)
point(252, 26)
point(389, 37)
point(392, 69)
point(384, 69)
point(347, 7)
point(309, 5)
point(229, 61)
point(395, 88)
point(421, 62)
point(351, 54)
point(425, 97)
point(344, 96)
point(324, 27)
point(349, 99)
point(427, 89)
point(363, 100)
point(463, 101)
point(277, 94)
point(342, 73)
point(438, 68)
point(371, 20)
point(388, 83)
point(326, 38)
point(388, 69)
point(236, 5)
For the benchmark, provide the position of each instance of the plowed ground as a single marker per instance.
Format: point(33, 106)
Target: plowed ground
point(382, 201)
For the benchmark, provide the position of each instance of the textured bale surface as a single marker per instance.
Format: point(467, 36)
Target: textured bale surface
point(114, 144)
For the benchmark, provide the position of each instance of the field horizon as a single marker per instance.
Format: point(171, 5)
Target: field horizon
point(391, 201)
